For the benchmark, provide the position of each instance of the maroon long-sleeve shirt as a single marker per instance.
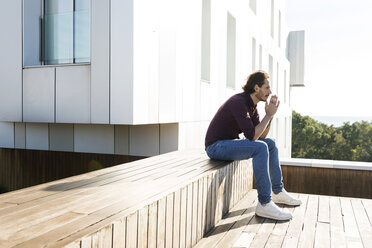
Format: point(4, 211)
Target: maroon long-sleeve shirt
point(238, 114)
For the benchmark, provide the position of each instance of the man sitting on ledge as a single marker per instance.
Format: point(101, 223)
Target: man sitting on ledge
point(239, 114)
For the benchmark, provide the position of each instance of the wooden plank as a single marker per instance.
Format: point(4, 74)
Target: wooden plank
point(205, 203)
point(143, 218)
point(35, 230)
point(153, 223)
point(86, 242)
point(169, 221)
point(131, 237)
point(292, 236)
point(194, 222)
point(308, 233)
point(161, 223)
point(322, 235)
point(183, 217)
point(263, 233)
point(119, 232)
point(323, 214)
point(199, 232)
point(243, 222)
point(176, 218)
point(368, 207)
point(244, 240)
point(337, 226)
point(277, 236)
point(227, 222)
point(104, 237)
point(364, 226)
point(351, 229)
point(189, 216)
point(208, 224)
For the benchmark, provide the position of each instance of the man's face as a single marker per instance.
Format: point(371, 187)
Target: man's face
point(263, 92)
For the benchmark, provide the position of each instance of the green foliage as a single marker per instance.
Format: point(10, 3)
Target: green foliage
point(312, 139)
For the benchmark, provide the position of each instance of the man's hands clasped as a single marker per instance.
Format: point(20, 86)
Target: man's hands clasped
point(272, 106)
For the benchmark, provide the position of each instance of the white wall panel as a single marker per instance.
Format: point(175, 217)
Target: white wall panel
point(121, 61)
point(94, 138)
point(73, 94)
point(11, 60)
point(167, 63)
point(100, 61)
point(121, 139)
point(37, 136)
point(146, 61)
point(38, 95)
point(61, 137)
point(188, 58)
point(144, 140)
point(20, 135)
point(6, 134)
point(168, 137)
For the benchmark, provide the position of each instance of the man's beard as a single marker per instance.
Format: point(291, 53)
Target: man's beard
point(261, 97)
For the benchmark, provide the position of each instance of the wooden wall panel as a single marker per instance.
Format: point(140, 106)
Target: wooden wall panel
point(328, 181)
point(21, 168)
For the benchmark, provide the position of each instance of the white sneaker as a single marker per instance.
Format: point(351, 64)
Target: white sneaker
point(272, 211)
point(285, 198)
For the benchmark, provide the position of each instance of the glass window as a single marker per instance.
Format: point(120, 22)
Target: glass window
point(206, 41)
point(66, 32)
point(230, 56)
point(253, 54)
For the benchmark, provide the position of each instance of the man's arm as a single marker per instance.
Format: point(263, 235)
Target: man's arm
point(263, 127)
point(264, 134)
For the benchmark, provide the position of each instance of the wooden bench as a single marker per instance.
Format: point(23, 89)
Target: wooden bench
point(170, 200)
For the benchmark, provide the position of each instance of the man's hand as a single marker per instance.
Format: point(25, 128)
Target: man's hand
point(272, 106)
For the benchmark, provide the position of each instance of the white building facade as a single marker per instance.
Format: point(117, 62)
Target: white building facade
point(137, 77)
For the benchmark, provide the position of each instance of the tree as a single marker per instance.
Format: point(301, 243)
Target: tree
point(312, 139)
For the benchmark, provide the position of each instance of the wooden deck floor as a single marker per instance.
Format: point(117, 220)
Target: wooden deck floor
point(321, 221)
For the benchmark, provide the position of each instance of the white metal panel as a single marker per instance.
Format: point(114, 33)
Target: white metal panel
point(188, 58)
point(168, 137)
point(144, 140)
point(61, 137)
point(38, 95)
point(94, 138)
point(146, 61)
point(73, 94)
point(167, 64)
point(100, 61)
point(7, 134)
point(121, 62)
point(20, 135)
point(296, 56)
point(11, 60)
point(122, 139)
point(37, 136)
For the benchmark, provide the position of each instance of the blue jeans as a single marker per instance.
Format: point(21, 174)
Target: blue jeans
point(266, 167)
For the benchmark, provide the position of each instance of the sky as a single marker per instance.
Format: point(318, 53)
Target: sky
point(338, 56)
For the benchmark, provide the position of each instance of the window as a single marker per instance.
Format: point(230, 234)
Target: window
point(285, 86)
point(279, 28)
point(253, 54)
point(65, 32)
point(253, 5)
point(272, 19)
point(206, 40)
point(230, 51)
point(277, 78)
point(260, 58)
point(271, 72)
